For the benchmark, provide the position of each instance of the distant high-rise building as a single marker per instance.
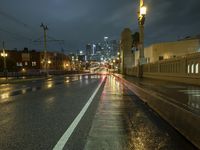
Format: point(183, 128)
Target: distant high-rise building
point(98, 48)
point(93, 49)
point(89, 51)
point(105, 50)
point(109, 48)
point(114, 44)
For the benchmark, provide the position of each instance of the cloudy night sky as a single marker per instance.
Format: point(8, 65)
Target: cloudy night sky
point(79, 22)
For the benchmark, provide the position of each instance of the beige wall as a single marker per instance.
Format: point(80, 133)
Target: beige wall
point(170, 50)
point(181, 69)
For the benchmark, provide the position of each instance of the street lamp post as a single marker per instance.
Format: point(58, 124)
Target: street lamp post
point(141, 20)
point(45, 28)
point(48, 67)
point(4, 55)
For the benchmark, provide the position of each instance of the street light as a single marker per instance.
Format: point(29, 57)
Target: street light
point(48, 66)
point(141, 20)
point(23, 70)
point(49, 61)
point(45, 28)
point(143, 10)
point(4, 55)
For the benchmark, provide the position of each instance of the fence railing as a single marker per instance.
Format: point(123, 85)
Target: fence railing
point(187, 66)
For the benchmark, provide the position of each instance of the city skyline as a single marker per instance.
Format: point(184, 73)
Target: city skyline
point(79, 23)
point(98, 74)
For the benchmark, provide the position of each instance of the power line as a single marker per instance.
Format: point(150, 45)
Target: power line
point(16, 35)
point(14, 19)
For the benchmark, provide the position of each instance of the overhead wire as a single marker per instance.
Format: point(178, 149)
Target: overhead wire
point(17, 35)
point(14, 19)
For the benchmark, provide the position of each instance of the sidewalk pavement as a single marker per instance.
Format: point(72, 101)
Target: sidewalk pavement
point(123, 122)
point(184, 95)
point(177, 103)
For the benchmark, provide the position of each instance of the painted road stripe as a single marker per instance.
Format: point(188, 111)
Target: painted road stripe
point(63, 140)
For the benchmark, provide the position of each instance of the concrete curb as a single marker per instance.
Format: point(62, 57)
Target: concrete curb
point(184, 121)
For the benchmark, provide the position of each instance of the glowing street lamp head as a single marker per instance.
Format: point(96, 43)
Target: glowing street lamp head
point(23, 70)
point(49, 61)
point(4, 54)
point(143, 10)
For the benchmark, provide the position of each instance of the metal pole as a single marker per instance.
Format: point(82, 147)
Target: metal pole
point(141, 41)
point(4, 61)
point(141, 46)
point(45, 28)
point(45, 51)
point(141, 3)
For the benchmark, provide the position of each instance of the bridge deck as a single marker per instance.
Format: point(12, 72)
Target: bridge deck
point(123, 121)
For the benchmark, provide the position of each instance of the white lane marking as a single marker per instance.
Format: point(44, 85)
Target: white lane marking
point(63, 140)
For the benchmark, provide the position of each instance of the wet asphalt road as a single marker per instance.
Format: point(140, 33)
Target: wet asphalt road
point(34, 115)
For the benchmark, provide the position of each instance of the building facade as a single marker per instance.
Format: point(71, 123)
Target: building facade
point(25, 60)
point(167, 50)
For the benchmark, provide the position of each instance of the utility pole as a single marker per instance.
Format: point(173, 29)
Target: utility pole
point(4, 55)
point(45, 28)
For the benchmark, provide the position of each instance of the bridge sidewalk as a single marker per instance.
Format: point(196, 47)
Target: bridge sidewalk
point(177, 103)
point(183, 95)
point(123, 122)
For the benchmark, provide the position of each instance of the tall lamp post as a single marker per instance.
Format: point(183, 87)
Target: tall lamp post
point(45, 28)
point(141, 21)
point(4, 55)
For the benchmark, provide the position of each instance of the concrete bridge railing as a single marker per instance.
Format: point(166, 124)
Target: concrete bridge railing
point(181, 69)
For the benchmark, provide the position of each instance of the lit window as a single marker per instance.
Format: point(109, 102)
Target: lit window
point(197, 68)
point(188, 68)
point(19, 64)
point(34, 63)
point(192, 69)
point(26, 63)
